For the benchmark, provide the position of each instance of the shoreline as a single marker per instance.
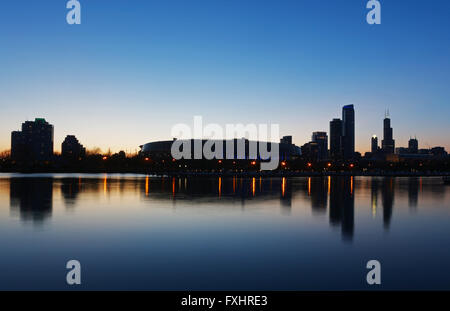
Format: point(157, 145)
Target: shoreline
point(243, 174)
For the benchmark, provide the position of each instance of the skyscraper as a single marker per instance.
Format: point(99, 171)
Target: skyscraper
point(348, 131)
point(286, 140)
point(34, 142)
point(374, 144)
point(71, 148)
point(335, 138)
point(388, 143)
point(413, 146)
point(321, 138)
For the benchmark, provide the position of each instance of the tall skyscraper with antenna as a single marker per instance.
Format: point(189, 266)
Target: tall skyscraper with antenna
point(388, 143)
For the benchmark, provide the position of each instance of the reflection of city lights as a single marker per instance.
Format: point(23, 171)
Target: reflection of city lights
point(146, 186)
point(173, 186)
point(253, 186)
point(374, 207)
point(329, 185)
point(309, 186)
point(283, 186)
point(220, 186)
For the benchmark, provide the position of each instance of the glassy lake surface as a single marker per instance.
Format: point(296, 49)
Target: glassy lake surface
point(138, 232)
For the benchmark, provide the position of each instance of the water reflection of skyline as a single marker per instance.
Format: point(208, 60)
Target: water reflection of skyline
point(31, 199)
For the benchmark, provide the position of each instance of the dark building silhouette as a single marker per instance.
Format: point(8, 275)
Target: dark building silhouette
point(438, 152)
point(348, 131)
point(286, 140)
point(335, 138)
point(162, 149)
point(374, 144)
point(388, 143)
point(310, 151)
point(413, 146)
point(402, 150)
point(34, 142)
point(321, 138)
point(72, 149)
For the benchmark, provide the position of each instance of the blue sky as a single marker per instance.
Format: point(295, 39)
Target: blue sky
point(133, 68)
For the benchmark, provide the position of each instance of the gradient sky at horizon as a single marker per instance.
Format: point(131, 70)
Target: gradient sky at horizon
point(133, 69)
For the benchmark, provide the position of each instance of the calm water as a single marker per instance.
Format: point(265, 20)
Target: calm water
point(138, 232)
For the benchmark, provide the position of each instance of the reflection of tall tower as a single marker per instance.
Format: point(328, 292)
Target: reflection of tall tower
point(413, 192)
point(33, 197)
point(374, 196)
point(348, 131)
point(387, 197)
point(286, 195)
point(70, 188)
point(388, 143)
point(319, 196)
point(342, 204)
